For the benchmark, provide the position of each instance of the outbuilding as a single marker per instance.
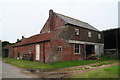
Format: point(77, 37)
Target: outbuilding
point(62, 38)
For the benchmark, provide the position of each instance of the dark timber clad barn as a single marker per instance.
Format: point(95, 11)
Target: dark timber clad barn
point(112, 40)
point(62, 38)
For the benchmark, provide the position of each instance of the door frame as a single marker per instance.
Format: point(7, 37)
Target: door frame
point(37, 51)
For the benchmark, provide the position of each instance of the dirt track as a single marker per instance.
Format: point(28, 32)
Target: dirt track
point(63, 73)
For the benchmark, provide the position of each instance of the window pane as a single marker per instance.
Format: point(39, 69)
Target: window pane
point(99, 36)
point(76, 31)
point(89, 34)
point(59, 49)
point(77, 51)
point(77, 48)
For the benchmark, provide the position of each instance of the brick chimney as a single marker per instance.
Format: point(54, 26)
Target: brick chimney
point(50, 12)
point(22, 37)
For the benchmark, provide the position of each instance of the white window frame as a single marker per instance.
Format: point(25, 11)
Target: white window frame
point(77, 32)
point(79, 49)
point(89, 34)
point(99, 36)
point(59, 49)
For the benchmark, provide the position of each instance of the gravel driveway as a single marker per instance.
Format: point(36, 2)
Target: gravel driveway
point(9, 71)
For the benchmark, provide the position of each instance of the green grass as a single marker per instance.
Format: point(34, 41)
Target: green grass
point(26, 64)
point(0, 58)
point(109, 72)
point(39, 65)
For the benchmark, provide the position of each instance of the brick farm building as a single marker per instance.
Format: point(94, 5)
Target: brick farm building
point(62, 38)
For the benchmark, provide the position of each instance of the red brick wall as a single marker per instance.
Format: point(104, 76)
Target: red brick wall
point(84, 35)
point(68, 49)
point(53, 22)
point(66, 54)
point(24, 49)
point(10, 50)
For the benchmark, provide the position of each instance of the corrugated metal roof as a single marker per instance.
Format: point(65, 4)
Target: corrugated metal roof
point(76, 22)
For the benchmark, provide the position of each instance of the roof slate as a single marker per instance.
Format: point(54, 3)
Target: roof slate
point(76, 22)
point(39, 37)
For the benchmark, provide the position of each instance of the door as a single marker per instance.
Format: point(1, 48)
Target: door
point(89, 50)
point(97, 49)
point(38, 52)
point(6, 53)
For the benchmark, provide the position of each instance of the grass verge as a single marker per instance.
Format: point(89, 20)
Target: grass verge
point(108, 72)
point(39, 65)
point(0, 58)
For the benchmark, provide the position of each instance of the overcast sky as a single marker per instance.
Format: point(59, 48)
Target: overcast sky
point(27, 17)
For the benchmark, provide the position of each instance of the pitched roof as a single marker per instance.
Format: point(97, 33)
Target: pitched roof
point(76, 22)
point(39, 37)
point(8, 46)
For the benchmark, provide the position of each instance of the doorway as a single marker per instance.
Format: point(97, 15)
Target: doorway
point(89, 50)
point(6, 51)
point(37, 52)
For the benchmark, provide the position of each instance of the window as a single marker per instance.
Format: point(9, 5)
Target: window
point(29, 50)
point(18, 54)
point(48, 31)
point(89, 34)
point(76, 31)
point(77, 49)
point(59, 48)
point(99, 36)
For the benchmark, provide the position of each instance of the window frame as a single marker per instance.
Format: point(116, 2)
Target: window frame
point(77, 32)
point(99, 36)
point(59, 49)
point(89, 34)
point(75, 49)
